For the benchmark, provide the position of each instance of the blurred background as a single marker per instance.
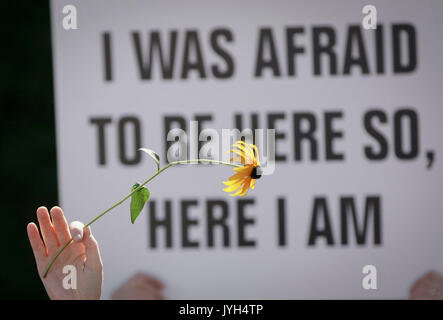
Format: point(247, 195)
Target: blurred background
point(29, 162)
point(28, 170)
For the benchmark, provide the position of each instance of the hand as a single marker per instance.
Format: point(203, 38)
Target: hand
point(82, 253)
point(140, 287)
point(428, 287)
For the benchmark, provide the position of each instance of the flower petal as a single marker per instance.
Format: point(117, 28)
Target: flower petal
point(232, 188)
point(238, 175)
point(244, 190)
point(241, 154)
point(246, 152)
point(236, 159)
point(231, 182)
point(256, 157)
point(237, 184)
point(242, 181)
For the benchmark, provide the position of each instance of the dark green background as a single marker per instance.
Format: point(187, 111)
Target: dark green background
point(29, 167)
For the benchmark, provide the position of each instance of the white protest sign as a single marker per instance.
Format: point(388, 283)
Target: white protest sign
point(357, 115)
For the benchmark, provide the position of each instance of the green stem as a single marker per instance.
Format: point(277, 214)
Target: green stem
point(134, 191)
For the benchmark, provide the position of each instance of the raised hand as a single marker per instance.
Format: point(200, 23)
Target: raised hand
point(82, 253)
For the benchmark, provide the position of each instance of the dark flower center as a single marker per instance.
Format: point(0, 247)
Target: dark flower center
point(255, 174)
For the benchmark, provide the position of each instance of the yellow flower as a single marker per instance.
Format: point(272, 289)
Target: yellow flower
point(246, 175)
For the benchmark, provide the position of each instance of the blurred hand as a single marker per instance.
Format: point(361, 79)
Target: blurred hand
point(140, 287)
point(428, 287)
point(83, 253)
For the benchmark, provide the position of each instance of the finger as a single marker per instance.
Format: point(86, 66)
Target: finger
point(148, 292)
point(76, 228)
point(92, 252)
point(415, 291)
point(46, 229)
point(434, 277)
point(38, 248)
point(158, 296)
point(143, 278)
point(155, 282)
point(60, 224)
point(420, 289)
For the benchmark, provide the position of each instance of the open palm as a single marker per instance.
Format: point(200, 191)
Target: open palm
point(82, 254)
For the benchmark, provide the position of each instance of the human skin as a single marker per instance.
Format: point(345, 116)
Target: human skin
point(82, 253)
point(140, 287)
point(428, 287)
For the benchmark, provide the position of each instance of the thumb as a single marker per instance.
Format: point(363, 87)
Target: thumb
point(76, 228)
point(93, 258)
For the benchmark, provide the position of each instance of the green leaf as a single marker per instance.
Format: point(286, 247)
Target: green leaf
point(153, 155)
point(138, 200)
